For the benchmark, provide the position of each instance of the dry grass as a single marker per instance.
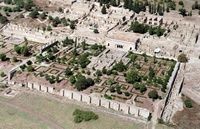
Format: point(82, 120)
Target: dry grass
point(62, 114)
point(11, 118)
point(160, 126)
point(188, 118)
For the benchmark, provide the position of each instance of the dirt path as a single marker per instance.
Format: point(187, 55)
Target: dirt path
point(44, 119)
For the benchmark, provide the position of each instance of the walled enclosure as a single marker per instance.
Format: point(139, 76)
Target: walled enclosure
point(109, 104)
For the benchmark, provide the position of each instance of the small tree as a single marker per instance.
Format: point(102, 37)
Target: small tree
point(49, 28)
point(183, 12)
point(98, 73)
point(127, 94)
point(181, 3)
point(103, 10)
point(151, 72)
point(112, 89)
point(29, 62)
point(188, 103)
point(30, 68)
point(72, 25)
point(14, 59)
point(68, 72)
point(182, 58)
point(142, 88)
point(153, 94)
point(2, 74)
point(72, 79)
point(90, 81)
point(96, 31)
point(60, 9)
point(2, 56)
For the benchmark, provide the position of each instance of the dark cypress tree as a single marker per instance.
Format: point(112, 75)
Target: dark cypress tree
point(130, 5)
point(126, 3)
point(150, 8)
point(103, 10)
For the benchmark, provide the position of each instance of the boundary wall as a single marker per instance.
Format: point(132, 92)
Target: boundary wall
point(93, 100)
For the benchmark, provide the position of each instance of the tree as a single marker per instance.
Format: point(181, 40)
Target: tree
point(83, 45)
point(183, 12)
point(14, 59)
point(90, 81)
point(98, 73)
point(49, 28)
point(151, 31)
point(96, 31)
point(151, 72)
point(2, 56)
point(2, 74)
point(103, 10)
point(16, 9)
point(72, 79)
point(29, 62)
point(182, 58)
point(104, 70)
point(188, 103)
point(126, 3)
point(132, 77)
point(158, 31)
point(24, 50)
point(33, 14)
point(112, 89)
point(30, 68)
point(60, 9)
point(3, 19)
point(50, 18)
point(43, 15)
point(72, 25)
point(28, 5)
point(81, 83)
point(181, 3)
point(119, 66)
point(136, 85)
point(64, 22)
point(127, 94)
point(58, 79)
point(142, 88)
point(153, 94)
point(68, 72)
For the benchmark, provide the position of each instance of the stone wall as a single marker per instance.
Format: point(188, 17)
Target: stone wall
point(13, 70)
point(170, 85)
point(93, 100)
point(43, 88)
point(109, 104)
point(119, 44)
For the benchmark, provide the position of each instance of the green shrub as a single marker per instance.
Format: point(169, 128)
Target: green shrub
point(81, 115)
point(107, 96)
point(112, 89)
point(188, 103)
point(127, 94)
point(2, 74)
